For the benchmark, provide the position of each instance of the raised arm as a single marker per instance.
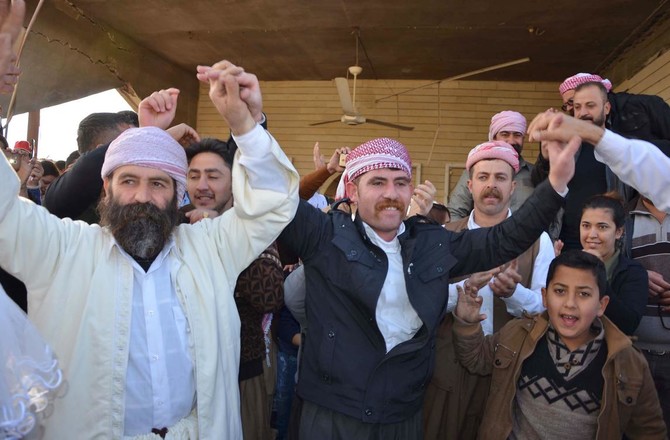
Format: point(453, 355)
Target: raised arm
point(311, 182)
point(474, 350)
point(158, 109)
point(265, 184)
point(638, 163)
point(32, 242)
point(11, 22)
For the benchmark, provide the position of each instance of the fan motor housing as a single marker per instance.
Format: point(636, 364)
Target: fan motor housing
point(353, 120)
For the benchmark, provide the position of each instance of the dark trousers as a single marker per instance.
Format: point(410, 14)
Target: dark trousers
point(317, 422)
point(286, 368)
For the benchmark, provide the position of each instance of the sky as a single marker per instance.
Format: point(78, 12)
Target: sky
point(58, 124)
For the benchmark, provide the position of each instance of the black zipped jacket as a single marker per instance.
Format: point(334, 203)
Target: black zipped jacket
point(345, 366)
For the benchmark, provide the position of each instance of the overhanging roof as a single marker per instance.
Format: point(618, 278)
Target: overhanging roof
point(80, 47)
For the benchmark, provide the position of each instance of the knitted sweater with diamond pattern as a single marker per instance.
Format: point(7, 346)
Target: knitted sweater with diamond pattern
point(629, 403)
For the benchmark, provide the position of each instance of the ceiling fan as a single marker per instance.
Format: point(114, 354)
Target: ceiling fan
point(351, 115)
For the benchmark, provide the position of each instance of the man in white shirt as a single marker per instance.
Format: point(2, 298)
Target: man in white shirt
point(508, 126)
point(140, 312)
point(455, 399)
point(491, 167)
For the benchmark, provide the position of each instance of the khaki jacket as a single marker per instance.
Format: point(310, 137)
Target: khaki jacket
point(629, 403)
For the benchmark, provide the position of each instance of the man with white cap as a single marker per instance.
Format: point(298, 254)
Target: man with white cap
point(139, 311)
point(376, 291)
point(645, 117)
point(508, 126)
point(455, 399)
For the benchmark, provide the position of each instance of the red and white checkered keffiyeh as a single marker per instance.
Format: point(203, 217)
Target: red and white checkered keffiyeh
point(376, 154)
point(576, 80)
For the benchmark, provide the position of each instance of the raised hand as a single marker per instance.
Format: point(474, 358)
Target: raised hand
point(467, 307)
point(317, 157)
point(184, 134)
point(226, 94)
point(11, 23)
point(504, 284)
point(538, 129)
point(250, 92)
point(26, 168)
point(333, 164)
point(35, 174)
point(562, 162)
point(478, 280)
point(422, 199)
point(554, 126)
point(12, 13)
point(158, 109)
point(11, 75)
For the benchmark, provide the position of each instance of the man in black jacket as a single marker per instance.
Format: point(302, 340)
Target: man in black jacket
point(377, 291)
point(645, 117)
point(591, 103)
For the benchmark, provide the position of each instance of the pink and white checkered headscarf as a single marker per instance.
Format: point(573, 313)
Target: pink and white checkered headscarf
point(149, 147)
point(374, 155)
point(507, 121)
point(576, 80)
point(493, 150)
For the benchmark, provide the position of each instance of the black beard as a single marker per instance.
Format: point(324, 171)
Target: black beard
point(141, 229)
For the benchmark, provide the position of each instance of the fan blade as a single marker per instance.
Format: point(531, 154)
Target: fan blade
point(325, 122)
point(389, 124)
point(345, 96)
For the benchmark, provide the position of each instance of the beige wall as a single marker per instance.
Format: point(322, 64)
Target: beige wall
point(462, 116)
point(654, 79)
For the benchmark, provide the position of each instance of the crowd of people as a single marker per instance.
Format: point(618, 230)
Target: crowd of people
point(200, 288)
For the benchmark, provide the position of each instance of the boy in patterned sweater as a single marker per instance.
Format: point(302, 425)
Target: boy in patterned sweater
point(567, 373)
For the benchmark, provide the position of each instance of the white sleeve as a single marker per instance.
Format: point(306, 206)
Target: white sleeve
point(530, 298)
point(265, 190)
point(256, 148)
point(639, 164)
point(453, 296)
point(32, 241)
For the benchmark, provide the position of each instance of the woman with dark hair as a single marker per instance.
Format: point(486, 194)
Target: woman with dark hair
point(51, 172)
point(601, 231)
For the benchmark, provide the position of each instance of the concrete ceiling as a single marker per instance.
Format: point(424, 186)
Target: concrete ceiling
point(82, 46)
